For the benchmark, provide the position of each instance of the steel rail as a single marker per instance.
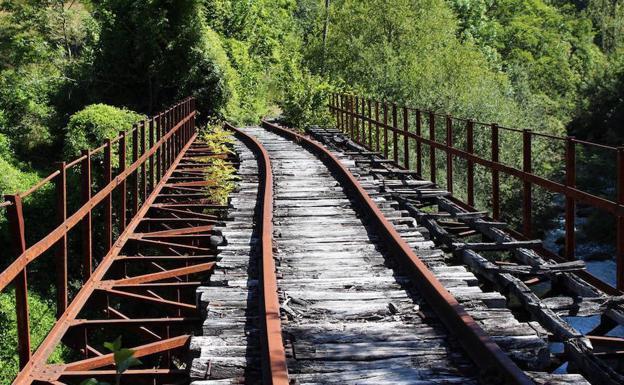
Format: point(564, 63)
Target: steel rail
point(484, 352)
point(39, 358)
point(275, 371)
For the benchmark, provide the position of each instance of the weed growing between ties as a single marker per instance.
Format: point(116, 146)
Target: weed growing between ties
point(219, 172)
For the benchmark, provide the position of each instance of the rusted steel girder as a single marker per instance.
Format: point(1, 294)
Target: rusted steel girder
point(484, 352)
point(151, 263)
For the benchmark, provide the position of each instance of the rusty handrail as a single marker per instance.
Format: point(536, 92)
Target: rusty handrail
point(275, 371)
point(173, 134)
point(478, 345)
point(353, 119)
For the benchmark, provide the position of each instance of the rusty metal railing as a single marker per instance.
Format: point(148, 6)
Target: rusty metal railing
point(405, 134)
point(151, 147)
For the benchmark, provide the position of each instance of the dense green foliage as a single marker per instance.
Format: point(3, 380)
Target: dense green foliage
point(93, 125)
point(42, 317)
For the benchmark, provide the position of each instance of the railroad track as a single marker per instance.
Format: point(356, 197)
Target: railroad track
point(326, 278)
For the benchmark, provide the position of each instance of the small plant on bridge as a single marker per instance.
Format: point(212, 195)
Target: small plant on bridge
point(219, 172)
point(124, 359)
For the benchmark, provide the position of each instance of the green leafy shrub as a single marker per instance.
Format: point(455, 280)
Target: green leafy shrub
point(92, 126)
point(304, 102)
point(220, 174)
point(211, 79)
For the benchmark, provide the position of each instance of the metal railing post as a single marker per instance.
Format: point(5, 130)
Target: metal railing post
point(495, 174)
point(406, 160)
point(108, 202)
point(432, 149)
point(122, 184)
point(418, 143)
point(470, 163)
point(449, 155)
point(570, 204)
point(134, 191)
point(60, 251)
point(15, 216)
point(385, 124)
point(87, 222)
point(395, 137)
point(526, 186)
point(377, 131)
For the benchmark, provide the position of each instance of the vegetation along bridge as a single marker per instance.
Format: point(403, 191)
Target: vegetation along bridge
point(346, 255)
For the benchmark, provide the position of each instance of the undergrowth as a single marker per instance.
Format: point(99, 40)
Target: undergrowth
point(220, 174)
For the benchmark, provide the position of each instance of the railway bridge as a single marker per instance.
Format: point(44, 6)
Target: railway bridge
point(353, 254)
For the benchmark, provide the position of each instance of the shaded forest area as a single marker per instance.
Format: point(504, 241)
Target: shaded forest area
point(73, 73)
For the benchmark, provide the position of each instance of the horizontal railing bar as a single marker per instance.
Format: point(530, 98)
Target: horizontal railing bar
point(39, 184)
point(476, 122)
point(75, 162)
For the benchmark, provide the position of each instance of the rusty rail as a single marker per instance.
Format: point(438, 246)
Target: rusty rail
point(274, 368)
point(354, 121)
point(174, 130)
point(485, 353)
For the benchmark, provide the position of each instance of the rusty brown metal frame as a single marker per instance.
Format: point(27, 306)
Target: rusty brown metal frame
point(163, 280)
point(345, 113)
point(275, 371)
point(484, 352)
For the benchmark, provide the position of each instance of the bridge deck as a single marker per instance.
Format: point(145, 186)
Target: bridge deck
point(348, 313)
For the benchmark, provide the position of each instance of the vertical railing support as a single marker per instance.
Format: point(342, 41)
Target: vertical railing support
point(108, 202)
point(370, 125)
point(159, 172)
point(570, 204)
point(122, 184)
point(341, 103)
point(385, 124)
point(449, 155)
point(356, 138)
point(364, 119)
point(151, 158)
point(495, 174)
point(418, 143)
point(87, 241)
point(620, 220)
point(395, 135)
point(135, 175)
point(406, 160)
point(470, 163)
point(351, 117)
point(526, 186)
point(15, 216)
point(144, 164)
point(377, 132)
point(60, 251)
point(432, 149)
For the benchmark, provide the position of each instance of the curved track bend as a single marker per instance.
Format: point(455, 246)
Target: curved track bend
point(357, 305)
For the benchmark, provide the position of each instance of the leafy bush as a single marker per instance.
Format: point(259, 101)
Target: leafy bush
point(304, 102)
point(211, 79)
point(92, 126)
